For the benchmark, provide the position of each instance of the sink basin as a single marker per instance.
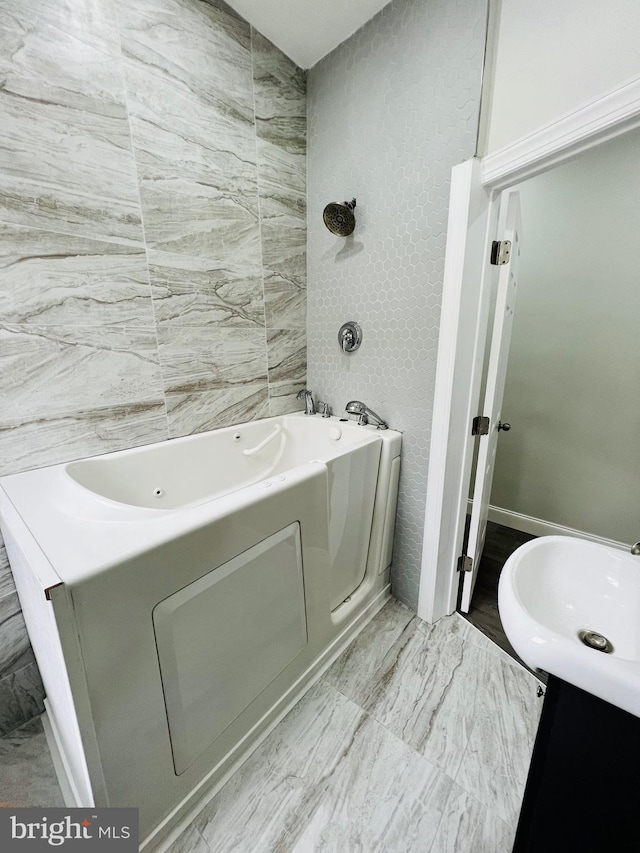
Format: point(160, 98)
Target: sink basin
point(555, 587)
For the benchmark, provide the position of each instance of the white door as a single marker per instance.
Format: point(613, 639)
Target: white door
point(466, 296)
point(496, 375)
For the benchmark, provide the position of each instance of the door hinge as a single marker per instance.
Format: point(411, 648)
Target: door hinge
point(480, 426)
point(465, 563)
point(500, 252)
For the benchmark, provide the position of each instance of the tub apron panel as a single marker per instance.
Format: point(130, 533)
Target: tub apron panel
point(124, 676)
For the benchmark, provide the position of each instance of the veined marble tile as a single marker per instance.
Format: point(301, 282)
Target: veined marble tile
point(56, 369)
point(354, 670)
point(474, 635)
point(287, 355)
point(424, 690)
point(281, 182)
point(197, 291)
point(284, 247)
point(7, 585)
point(28, 776)
point(61, 53)
point(224, 7)
point(197, 172)
point(21, 698)
point(197, 45)
point(189, 842)
point(280, 96)
point(191, 413)
point(48, 440)
point(270, 63)
point(59, 279)
point(198, 358)
point(328, 778)
point(65, 152)
point(496, 761)
point(15, 648)
point(285, 302)
point(469, 827)
point(193, 129)
point(283, 398)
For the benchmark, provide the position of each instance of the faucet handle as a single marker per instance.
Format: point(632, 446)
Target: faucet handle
point(324, 409)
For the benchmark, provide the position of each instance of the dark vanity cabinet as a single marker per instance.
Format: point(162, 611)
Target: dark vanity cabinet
point(583, 788)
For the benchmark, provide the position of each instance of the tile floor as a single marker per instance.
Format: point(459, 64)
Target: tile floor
point(417, 739)
point(500, 543)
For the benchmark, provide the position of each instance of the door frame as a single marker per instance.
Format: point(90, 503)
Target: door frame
point(593, 124)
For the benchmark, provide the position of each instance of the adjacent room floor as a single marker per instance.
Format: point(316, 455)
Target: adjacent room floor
point(500, 543)
point(417, 739)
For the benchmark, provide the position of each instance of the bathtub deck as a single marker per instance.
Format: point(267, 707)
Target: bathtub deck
point(417, 739)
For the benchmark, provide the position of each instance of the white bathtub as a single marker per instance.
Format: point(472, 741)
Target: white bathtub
point(181, 597)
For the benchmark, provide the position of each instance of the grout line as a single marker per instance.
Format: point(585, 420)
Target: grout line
point(125, 90)
point(258, 185)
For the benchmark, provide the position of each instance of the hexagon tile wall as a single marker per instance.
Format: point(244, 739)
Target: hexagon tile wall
point(390, 112)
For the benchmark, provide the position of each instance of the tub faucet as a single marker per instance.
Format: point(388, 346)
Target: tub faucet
point(365, 414)
point(309, 408)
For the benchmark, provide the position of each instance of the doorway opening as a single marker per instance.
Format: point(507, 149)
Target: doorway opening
point(570, 462)
point(475, 195)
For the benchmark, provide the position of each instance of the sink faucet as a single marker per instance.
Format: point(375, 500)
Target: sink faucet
point(309, 408)
point(365, 414)
point(635, 549)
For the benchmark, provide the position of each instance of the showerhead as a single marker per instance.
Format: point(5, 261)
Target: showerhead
point(339, 218)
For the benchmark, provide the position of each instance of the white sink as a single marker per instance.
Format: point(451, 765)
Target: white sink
point(553, 588)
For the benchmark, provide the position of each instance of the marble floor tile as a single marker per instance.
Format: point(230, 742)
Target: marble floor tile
point(199, 412)
point(197, 292)
point(328, 778)
point(48, 278)
point(7, 585)
point(15, 648)
point(199, 358)
point(354, 670)
point(46, 440)
point(496, 760)
point(27, 775)
point(21, 697)
point(469, 827)
point(425, 688)
point(49, 370)
point(190, 841)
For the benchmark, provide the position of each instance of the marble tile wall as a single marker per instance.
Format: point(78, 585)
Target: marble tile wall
point(152, 240)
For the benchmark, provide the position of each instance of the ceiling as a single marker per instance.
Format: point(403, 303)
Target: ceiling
point(307, 30)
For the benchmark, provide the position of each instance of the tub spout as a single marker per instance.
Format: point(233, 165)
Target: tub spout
point(309, 407)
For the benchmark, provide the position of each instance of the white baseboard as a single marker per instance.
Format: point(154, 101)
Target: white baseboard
point(539, 527)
